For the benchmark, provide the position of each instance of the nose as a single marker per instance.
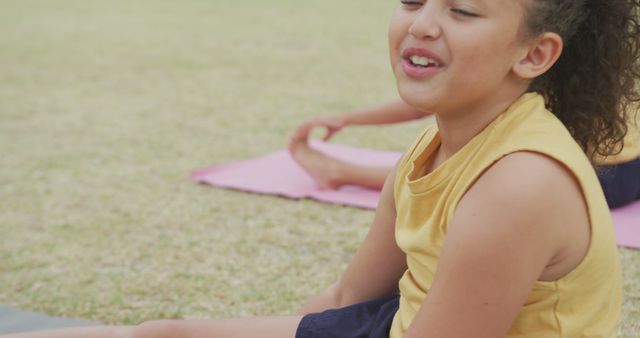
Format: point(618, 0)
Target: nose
point(425, 23)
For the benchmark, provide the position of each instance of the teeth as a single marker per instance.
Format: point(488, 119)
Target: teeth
point(422, 61)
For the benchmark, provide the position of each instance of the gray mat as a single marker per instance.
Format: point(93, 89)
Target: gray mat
point(14, 320)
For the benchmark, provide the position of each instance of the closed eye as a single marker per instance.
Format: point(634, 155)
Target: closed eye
point(463, 12)
point(410, 3)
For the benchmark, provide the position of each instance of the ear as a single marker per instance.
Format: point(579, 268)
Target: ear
point(541, 54)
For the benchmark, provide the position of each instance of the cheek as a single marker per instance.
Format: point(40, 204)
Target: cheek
point(484, 57)
point(398, 29)
point(397, 32)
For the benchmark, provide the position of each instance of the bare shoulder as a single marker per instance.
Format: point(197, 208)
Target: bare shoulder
point(522, 221)
point(526, 169)
point(539, 198)
point(532, 181)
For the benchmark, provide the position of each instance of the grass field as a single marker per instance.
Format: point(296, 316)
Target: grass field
point(107, 106)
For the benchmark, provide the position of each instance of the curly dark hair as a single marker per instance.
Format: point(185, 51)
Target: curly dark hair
point(592, 87)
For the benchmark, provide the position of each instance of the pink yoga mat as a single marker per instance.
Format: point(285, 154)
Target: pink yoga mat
point(627, 221)
point(279, 174)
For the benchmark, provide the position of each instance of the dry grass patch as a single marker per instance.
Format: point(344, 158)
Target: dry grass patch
point(107, 106)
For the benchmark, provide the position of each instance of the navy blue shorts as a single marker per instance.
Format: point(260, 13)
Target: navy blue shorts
point(370, 319)
point(620, 182)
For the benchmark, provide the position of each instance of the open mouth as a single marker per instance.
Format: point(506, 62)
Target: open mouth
point(423, 61)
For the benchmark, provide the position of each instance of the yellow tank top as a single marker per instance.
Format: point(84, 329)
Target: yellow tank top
point(584, 303)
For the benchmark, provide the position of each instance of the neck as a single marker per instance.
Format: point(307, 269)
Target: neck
point(457, 128)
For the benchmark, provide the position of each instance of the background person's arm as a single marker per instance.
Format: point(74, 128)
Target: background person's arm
point(393, 112)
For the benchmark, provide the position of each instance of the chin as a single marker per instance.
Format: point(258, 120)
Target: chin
point(418, 99)
point(422, 105)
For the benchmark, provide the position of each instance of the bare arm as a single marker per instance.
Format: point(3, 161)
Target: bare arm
point(378, 256)
point(393, 112)
point(523, 220)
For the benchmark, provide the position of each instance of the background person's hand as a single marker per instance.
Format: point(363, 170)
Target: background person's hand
point(333, 124)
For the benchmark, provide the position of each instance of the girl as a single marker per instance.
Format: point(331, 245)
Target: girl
point(493, 223)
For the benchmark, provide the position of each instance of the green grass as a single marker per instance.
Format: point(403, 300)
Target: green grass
point(107, 106)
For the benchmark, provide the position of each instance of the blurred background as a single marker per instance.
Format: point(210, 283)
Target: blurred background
point(106, 107)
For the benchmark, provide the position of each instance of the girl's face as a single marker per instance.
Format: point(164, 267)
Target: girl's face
point(450, 55)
